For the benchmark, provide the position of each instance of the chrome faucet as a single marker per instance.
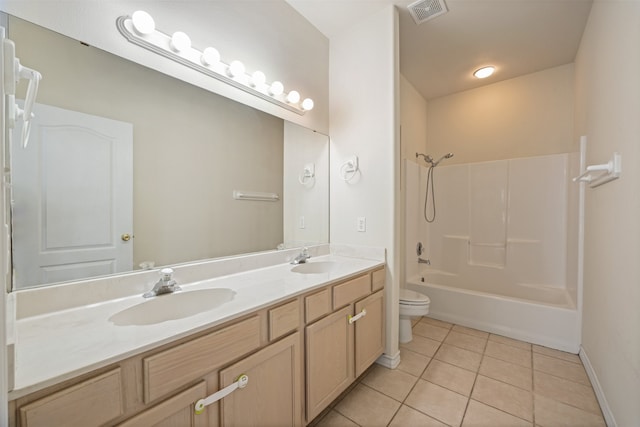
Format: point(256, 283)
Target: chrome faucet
point(166, 285)
point(424, 261)
point(302, 257)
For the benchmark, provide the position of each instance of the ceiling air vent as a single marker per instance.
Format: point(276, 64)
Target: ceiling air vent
point(423, 10)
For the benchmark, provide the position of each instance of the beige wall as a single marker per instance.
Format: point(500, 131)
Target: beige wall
point(306, 205)
point(526, 116)
point(413, 120)
point(192, 148)
point(413, 139)
point(364, 122)
point(608, 112)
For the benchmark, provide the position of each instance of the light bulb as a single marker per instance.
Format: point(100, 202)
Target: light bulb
point(276, 88)
point(143, 23)
point(180, 41)
point(307, 104)
point(484, 72)
point(210, 56)
point(258, 78)
point(236, 68)
point(293, 97)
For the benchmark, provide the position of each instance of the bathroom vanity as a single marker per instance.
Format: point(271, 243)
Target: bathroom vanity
point(298, 336)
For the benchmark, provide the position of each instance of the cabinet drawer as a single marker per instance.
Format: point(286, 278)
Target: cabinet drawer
point(317, 305)
point(284, 319)
point(91, 403)
point(173, 368)
point(378, 279)
point(352, 290)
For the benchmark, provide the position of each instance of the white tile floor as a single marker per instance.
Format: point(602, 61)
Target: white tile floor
point(455, 376)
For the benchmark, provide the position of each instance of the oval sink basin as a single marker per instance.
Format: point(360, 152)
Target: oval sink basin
point(172, 306)
point(318, 267)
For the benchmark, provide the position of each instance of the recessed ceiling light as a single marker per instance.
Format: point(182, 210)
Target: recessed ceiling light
point(484, 72)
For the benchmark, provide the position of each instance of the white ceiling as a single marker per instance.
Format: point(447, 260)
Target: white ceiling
point(439, 56)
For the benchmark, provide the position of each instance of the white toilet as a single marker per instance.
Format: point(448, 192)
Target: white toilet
point(412, 304)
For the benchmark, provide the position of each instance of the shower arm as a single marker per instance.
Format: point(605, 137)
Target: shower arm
point(429, 159)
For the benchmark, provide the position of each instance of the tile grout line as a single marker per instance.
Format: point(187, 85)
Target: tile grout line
point(420, 377)
point(578, 362)
point(559, 377)
point(341, 397)
point(484, 354)
point(559, 359)
point(569, 404)
point(477, 374)
point(405, 398)
point(533, 389)
point(564, 379)
point(531, 345)
point(506, 383)
point(502, 410)
point(475, 379)
point(402, 403)
point(468, 349)
point(491, 406)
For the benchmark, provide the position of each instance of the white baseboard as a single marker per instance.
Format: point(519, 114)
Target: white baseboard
point(597, 388)
point(390, 362)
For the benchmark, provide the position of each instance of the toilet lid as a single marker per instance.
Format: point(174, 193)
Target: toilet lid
point(410, 297)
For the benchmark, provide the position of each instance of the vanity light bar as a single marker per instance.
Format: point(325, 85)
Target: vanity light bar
point(139, 29)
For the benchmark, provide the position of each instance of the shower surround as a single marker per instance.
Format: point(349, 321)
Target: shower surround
point(503, 247)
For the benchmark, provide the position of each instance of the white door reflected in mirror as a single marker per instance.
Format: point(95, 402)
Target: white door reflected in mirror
point(72, 198)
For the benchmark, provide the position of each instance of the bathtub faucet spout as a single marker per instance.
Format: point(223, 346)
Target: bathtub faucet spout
point(424, 261)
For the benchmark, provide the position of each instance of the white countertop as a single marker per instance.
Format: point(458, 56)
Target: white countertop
point(57, 346)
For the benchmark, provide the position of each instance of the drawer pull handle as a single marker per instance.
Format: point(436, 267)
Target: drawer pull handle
point(241, 382)
point(352, 319)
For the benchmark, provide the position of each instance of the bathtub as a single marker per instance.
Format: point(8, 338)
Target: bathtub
point(544, 316)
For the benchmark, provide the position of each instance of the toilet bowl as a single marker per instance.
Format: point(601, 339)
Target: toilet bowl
point(412, 304)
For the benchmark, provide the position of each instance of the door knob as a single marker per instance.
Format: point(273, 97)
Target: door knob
point(125, 237)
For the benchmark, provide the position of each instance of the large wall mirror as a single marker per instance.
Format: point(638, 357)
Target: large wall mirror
point(128, 168)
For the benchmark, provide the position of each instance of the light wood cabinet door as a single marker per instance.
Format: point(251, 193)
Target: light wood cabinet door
point(329, 360)
point(369, 331)
point(177, 411)
point(273, 394)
